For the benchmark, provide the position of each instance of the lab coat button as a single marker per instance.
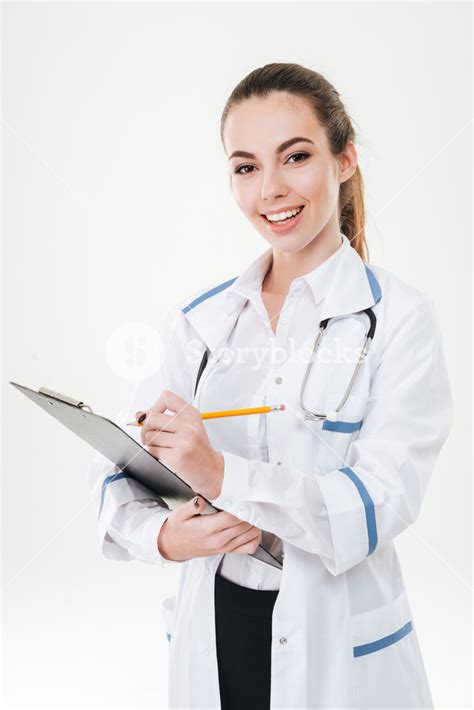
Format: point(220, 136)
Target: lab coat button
point(283, 640)
point(278, 463)
point(278, 380)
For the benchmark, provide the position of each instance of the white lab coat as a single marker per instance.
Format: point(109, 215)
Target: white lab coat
point(343, 634)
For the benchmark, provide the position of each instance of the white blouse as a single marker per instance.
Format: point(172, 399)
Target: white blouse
point(245, 373)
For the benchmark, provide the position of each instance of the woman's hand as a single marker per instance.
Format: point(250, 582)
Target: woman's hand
point(186, 534)
point(180, 441)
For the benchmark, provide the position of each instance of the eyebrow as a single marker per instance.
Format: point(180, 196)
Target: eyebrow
point(280, 149)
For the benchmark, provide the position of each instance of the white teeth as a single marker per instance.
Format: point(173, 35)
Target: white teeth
point(283, 215)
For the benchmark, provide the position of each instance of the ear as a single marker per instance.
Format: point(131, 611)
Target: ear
point(347, 162)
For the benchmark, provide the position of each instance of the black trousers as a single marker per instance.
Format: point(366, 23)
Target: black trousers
point(243, 638)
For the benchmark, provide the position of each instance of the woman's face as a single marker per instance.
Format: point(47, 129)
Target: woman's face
point(267, 179)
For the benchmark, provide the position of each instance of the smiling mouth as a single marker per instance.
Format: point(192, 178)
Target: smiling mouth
point(284, 221)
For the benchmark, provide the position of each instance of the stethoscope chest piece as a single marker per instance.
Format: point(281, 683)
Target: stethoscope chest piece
point(332, 416)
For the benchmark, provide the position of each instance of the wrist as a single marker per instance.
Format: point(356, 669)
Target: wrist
point(217, 477)
point(161, 542)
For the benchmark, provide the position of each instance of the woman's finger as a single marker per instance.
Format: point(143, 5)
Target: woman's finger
point(160, 438)
point(170, 400)
point(160, 422)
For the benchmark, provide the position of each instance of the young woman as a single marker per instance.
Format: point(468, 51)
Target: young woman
point(324, 486)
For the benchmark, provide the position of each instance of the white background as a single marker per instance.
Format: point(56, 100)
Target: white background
point(116, 205)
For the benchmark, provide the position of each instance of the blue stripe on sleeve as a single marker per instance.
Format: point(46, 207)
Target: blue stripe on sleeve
point(114, 477)
point(368, 505)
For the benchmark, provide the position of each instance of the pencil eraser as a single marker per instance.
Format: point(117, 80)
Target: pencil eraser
point(282, 407)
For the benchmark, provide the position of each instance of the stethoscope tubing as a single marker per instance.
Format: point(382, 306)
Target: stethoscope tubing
point(314, 416)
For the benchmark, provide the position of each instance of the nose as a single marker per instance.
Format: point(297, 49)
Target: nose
point(273, 186)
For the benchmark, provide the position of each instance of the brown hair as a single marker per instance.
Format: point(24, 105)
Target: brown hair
point(330, 112)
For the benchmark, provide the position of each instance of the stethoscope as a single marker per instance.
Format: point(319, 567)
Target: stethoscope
point(305, 413)
point(333, 416)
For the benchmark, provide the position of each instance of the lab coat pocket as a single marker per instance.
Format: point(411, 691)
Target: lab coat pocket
point(387, 663)
point(333, 438)
point(168, 607)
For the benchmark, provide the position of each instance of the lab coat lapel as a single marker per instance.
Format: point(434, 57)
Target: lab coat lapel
point(353, 288)
point(210, 318)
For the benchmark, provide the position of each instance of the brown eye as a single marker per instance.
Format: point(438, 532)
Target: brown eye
point(237, 170)
point(301, 153)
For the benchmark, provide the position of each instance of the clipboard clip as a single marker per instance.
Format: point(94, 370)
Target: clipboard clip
point(64, 398)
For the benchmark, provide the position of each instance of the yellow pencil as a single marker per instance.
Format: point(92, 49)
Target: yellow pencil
point(228, 413)
point(238, 412)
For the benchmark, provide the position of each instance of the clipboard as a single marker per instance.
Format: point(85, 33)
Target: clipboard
point(106, 437)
